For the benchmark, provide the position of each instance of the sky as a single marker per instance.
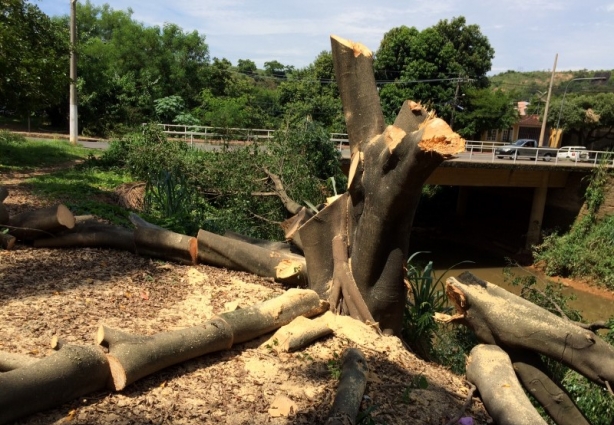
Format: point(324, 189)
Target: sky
point(525, 34)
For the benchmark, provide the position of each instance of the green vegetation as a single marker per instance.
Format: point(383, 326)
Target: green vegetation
point(17, 153)
point(587, 249)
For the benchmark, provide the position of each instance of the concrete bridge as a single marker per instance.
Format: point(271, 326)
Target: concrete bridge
point(548, 180)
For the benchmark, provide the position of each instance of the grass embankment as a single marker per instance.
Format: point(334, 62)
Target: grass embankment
point(85, 190)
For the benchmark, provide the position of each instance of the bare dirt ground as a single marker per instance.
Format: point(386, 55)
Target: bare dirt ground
point(69, 293)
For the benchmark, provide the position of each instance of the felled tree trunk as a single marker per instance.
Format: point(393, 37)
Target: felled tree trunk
point(91, 234)
point(352, 384)
point(500, 317)
point(134, 356)
point(236, 254)
point(70, 373)
point(490, 369)
point(41, 223)
point(389, 167)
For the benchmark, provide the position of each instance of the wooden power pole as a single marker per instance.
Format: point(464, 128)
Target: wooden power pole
point(543, 130)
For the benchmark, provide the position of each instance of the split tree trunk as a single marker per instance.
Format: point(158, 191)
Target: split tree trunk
point(389, 167)
point(68, 374)
point(41, 223)
point(135, 356)
point(490, 369)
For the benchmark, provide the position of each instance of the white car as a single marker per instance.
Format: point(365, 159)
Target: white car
point(573, 153)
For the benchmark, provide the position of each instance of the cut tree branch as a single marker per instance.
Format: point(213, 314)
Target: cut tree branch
point(489, 368)
point(352, 384)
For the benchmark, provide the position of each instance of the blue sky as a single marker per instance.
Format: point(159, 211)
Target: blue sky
point(526, 34)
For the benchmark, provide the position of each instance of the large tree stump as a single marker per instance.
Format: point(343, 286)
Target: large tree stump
point(70, 373)
point(490, 369)
point(389, 167)
point(41, 223)
point(500, 317)
point(133, 357)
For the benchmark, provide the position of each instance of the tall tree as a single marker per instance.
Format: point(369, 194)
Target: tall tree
point(483, 110)
point(422, 65)
point(590, 117)
point(33, 58)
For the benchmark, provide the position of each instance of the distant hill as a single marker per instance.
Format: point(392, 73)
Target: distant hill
point(533, 85)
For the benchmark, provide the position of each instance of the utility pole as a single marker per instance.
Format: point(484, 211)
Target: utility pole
point(543, 130)
point(74, 117)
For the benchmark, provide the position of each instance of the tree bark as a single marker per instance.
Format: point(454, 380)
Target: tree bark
point(10, 361)
point(4, 193)
point(41, 223)
point(7, 241)
point(389, 167)
point(351, 388)
point(166, 245)
point(132, 357)
point(235, 254)
point(88, 234)
point(556, 402)
point(299, 334)
point(4, 214)
point(490, 369)
point(67, 374)
point(502, 318)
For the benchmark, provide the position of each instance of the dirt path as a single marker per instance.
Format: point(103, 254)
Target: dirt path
point(68, 293)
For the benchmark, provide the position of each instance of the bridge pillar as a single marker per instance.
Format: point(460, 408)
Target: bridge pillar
point(537, 213)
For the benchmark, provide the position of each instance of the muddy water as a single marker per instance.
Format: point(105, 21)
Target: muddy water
point(489, 267)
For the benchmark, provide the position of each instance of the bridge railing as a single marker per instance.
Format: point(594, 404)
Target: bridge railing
point(485, 151)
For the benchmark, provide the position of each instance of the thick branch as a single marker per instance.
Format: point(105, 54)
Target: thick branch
point(500, 317)
point(353, 65)
point(235, 254)
point(166, 245)
point(132, 357)
point(40, 223)
point(351, 388)
point(292, 206)
point(7, 241)
point(93, 235)
point(299, 334)
point(490, 369)
point(10, 361)
point(67, 374)
point(531, 373)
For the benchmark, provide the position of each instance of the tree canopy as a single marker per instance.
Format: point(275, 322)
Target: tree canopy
point(32, 52)
point(433, 66)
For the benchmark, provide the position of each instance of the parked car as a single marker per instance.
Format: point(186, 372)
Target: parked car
point(573, 153)
point(525, 148)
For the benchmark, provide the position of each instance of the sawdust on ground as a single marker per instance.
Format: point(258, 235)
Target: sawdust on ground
point(68, 293)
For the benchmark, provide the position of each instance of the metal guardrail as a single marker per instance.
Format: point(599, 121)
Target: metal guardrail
point(481, 151)
point(477, 150)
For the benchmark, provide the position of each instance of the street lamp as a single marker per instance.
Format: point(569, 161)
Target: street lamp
point(565, 93)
